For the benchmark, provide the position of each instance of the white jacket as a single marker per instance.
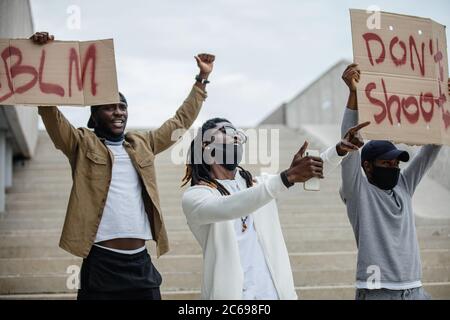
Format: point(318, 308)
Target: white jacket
point(210, 217)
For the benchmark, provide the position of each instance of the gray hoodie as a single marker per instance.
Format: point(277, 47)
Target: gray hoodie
point(383, 221)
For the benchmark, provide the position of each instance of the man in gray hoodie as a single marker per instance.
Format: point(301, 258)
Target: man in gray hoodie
point(379, 207)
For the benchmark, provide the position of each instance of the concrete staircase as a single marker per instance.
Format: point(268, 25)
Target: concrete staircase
point(318, 235)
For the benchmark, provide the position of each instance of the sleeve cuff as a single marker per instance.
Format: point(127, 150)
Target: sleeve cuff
point(275, 185)
point(197, 91)
point(331, 157)
point(46, 109)
point(350, 119)
point(352, 114)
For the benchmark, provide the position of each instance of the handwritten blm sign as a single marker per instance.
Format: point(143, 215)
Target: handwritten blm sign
point(404, 71)
point(58, 73)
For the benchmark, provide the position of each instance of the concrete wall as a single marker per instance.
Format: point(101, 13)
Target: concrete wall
point(322, 102)
point(440, 171)
point(278, 116)
point(16, 21)
point(18, 125)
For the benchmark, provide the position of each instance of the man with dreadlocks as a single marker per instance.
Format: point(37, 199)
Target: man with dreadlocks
point(235, 217)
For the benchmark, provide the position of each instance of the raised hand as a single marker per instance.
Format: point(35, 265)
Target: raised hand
point(351, 76)
point(205, 62)
point(42, 37)
point(351, 141)
point(304, 168)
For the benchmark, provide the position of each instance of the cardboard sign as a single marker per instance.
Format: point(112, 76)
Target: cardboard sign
point(404, 72)
point(57, 73)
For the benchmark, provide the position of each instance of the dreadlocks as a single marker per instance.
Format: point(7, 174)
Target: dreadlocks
point(198, 172)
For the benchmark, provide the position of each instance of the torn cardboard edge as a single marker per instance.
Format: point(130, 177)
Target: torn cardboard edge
point(380, 67)
point(69, 73)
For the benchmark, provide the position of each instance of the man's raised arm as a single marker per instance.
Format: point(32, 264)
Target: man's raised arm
point(161, 138)
point(64, 136)
point(351, 165)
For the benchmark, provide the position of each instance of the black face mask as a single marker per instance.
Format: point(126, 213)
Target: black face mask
point(385, 178)
point(228, 155)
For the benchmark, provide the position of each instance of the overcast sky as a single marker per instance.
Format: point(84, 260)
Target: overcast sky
point(266, 51)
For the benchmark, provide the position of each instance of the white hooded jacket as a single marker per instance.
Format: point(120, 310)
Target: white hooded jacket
point(210, 217)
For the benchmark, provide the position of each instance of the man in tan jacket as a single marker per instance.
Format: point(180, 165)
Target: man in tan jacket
point(114, 203)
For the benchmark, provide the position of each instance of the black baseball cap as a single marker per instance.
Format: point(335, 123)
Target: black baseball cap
point(91, 123)
point(382, 150)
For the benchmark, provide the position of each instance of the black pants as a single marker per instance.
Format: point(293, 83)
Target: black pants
point(108, 275)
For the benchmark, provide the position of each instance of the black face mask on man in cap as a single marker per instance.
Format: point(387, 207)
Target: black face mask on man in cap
point(384, 177)
point(380, 161)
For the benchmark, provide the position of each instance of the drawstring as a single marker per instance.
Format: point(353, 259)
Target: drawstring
point(405, 294)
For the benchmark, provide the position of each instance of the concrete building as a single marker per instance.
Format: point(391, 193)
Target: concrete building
point(18, 125)
point(322, 102)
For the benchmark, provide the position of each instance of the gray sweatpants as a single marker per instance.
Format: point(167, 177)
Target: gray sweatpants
point(386, 294)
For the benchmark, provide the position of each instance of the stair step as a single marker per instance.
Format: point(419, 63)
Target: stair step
point(51, 249)
point(318, 234)
point(438, 290)
point(292, 233)
point(316, 261)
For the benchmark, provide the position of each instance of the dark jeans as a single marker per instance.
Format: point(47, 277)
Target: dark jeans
point(386, 294)
point(108, 275)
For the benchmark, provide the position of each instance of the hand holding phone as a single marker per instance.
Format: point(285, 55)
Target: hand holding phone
point(312, 184)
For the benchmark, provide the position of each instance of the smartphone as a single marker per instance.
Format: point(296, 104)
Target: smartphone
point(312, 184)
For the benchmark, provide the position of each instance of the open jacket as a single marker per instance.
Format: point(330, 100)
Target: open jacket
point(91, 163)
point(210, 217)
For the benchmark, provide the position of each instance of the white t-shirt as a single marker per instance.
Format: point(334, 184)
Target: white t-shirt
point(258, 283)
point(124, 215)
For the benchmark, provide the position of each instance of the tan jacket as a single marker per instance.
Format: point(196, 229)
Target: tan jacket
point(91, 163)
